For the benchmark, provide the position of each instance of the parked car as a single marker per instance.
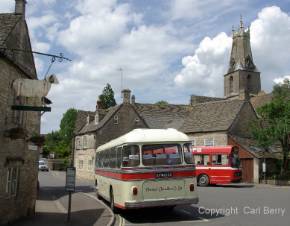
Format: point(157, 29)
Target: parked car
point(42, 166)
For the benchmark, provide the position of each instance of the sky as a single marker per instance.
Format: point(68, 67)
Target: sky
point(167, 49)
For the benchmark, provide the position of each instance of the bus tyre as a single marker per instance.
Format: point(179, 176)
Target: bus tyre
point(112, 202)
point(203, 180)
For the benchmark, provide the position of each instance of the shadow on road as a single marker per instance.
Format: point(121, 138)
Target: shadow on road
point(54, 193)
point(162, 215)
point(83, 218)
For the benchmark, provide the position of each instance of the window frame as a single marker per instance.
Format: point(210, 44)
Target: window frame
point(11, 181)
point(205, 142)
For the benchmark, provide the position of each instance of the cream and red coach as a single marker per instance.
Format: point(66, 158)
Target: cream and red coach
point(146, 168)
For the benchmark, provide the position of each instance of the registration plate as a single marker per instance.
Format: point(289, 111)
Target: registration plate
point(163, 174)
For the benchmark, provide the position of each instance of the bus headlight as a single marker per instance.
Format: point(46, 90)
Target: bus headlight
point(191, 187)
point(135, 190)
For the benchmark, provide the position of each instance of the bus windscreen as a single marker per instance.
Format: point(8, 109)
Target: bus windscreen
point(161, 154)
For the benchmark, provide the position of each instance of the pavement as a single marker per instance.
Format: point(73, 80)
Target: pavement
point(52, 204)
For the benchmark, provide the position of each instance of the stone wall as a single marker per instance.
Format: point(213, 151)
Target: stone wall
point(15, 153)
point(219, 138)
point(126, 122)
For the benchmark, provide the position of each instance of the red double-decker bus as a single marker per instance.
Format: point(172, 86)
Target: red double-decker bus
point(217, 165)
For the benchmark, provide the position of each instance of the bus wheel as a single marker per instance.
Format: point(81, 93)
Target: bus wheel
point(203, 180)
point(112, 202)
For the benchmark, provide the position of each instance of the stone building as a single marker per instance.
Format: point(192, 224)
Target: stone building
point(208, 121)
point(18, 156)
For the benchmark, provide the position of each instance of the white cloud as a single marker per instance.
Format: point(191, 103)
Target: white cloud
point(280, 80)
point(104, 37)
point(203, 71)
point(270, 35)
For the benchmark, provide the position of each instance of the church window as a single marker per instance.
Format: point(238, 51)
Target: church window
point(231, 84)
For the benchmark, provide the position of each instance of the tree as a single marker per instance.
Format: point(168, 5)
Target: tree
point(107, 97)
point(162, 103)
point(59, 142)
point(67, 125)
point(273, 124)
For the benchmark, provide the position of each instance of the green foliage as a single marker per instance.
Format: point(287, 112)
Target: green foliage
point(273, 124)
point(60, 141)
point(107, 97)
point(67, 125)
point(162, 103)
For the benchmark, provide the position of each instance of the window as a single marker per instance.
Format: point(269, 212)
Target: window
point(81, 164)
point(193, 143)
point(231, 84)
point(161, 154)
point(119, 157)
point(90, 164)
point(79, 143)
point(202, 160)
point(116, 119)
point(188, 157)
point(130, 156)
point(112, 158)
point(85, 141)
point(12, 181)
point(219, 159)
point(209, 142)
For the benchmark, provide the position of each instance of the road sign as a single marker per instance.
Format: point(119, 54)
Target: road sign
point(70, 179)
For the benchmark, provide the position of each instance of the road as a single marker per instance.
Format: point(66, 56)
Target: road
point(230, 205)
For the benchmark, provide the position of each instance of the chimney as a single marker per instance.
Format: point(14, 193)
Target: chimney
point(133, 99)
point(20, 7)
point(99, 105)
point(126, 95)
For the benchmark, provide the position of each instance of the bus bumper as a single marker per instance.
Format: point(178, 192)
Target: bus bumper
point(159, 203)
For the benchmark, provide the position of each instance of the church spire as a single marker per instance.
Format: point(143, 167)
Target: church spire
point(241, 54)
point(242, 80)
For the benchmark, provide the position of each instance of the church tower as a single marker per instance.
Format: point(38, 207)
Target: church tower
point(242, 79)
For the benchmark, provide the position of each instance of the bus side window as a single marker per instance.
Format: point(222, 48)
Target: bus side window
point(130, 156)
point(112, 158)
point(219, 159)
point(119, 157)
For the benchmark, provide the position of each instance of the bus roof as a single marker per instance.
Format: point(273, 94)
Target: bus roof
point(147, 136)
point(212, 149)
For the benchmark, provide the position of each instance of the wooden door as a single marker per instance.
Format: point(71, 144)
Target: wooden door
point(247, 170)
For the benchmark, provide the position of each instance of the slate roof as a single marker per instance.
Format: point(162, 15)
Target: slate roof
point(203, 117)
point(81, 119)
point(91, 127)
point(260, 100)
point(7, 22)
point(212, 116)
point(163, 116)
point(251, 146)
point(23, 60)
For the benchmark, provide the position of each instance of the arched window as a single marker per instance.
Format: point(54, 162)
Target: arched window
point(231, 84)
point(248, 82)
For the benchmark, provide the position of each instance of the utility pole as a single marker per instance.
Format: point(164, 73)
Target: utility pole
point(121, 71)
